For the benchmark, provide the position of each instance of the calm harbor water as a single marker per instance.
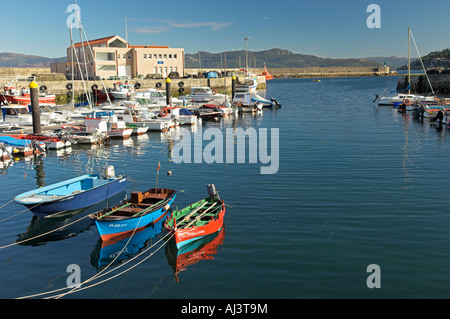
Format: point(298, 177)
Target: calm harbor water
point(357, 185)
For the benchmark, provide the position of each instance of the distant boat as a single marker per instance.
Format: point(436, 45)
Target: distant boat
point(142, 209)
point(199, 219)
point(72, 194)
point(266, 73)
point(23, 97)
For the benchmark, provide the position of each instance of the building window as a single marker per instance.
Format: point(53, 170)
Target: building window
point(154, 55)
point(170, 56)
point(175, 69)
point(160, 56)
point(160, 70)
point(144, 56)
point(123, 56)
point(174, 56)
point(155, 70)
point(165, 56)
point(149, 56)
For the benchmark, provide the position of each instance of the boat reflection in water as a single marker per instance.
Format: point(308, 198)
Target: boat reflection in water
point(195, 251)
point(62, 225)
point(124, 246)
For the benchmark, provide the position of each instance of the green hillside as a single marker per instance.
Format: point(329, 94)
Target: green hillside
point(273, 58)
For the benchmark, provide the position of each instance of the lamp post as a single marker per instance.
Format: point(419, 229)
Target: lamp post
point(246, 54)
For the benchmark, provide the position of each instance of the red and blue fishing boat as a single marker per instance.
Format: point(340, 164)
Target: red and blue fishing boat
point(130, 215)
point(198, 219)
point(72, 194)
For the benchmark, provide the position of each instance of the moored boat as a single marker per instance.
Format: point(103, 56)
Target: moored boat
point(23, 147)
point(51, 142)
point(72, 194)
point(198, 219)
point(142, 209)
point(23, 97)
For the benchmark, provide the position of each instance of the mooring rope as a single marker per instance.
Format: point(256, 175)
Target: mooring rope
point(43, 234)
point(103, 272)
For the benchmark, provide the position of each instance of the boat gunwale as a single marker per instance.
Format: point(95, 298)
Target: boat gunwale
point(37, 192)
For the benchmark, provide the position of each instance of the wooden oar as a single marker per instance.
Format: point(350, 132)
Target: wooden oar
point(191, 213)
point(200, 216)
point(148, 208)
point(114, 210)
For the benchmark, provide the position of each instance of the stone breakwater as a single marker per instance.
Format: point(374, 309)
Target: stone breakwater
point(318, 72)
point(420, 85)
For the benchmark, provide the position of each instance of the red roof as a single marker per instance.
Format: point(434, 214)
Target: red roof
point(92, 42)
point(150, 46)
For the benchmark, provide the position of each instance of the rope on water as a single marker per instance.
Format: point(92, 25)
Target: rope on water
point(43, 234)
point(103, 272)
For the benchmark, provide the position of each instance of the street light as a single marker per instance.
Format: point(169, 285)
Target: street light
point(246, 56)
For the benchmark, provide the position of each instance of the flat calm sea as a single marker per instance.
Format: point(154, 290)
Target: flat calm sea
point(357, 185)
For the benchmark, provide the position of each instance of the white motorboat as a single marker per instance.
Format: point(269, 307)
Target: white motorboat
point(203, 94)
point(246, 104)
point(155, 97)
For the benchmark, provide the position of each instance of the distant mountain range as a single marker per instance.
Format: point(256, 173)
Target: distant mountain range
point(273, 58)
point(8, 59)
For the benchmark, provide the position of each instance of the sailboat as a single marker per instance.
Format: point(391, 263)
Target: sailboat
point(406, 98)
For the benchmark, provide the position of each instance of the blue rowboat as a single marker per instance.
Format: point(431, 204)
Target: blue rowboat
point(141, 210)
point(72, 194)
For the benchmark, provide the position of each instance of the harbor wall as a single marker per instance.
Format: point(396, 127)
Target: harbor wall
point(420, 85)
point(58, 87)
point(330, 72)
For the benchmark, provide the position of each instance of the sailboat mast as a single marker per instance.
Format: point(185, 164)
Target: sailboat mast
point(409, 61)
point(71, 56)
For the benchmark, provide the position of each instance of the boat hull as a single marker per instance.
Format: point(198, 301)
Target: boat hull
point(113, 228)
point(73, 201)
point(184, 236)
point(25, 100)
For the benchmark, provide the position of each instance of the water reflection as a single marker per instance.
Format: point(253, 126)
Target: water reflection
point(188, 255)
point(63, 225)
point(117, 249)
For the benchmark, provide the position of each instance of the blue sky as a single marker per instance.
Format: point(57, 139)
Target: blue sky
point(326, 28)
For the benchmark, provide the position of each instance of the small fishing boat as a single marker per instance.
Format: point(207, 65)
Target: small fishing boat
point(209, 112)
point(138, 129)
point(23, 147)
point(72, 194)
point(246, 102)
point(198, 219)
point(141, 210)
point(23, 97)
point(108, 125)
point(51, 142)
point(80, 136)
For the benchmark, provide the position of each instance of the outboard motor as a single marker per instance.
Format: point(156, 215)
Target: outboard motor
point(110, 172)
point(275, 102)
point(212, 191)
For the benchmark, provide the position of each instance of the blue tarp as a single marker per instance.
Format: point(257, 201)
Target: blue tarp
point(185, 112)
point(8, 140)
